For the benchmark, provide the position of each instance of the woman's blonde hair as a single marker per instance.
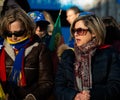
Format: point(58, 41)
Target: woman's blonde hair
point(16, 14)
point(95, 26)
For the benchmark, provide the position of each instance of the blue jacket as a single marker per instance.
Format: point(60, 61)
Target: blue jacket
point(105, 76)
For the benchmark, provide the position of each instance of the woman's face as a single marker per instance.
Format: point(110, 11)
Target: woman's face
point(81, 33)
point(16, 31)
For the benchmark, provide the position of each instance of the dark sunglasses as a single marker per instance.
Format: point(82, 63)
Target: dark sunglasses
point(80, 31)
point(16, 33)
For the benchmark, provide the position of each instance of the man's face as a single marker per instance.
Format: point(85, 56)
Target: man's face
point(71, 16)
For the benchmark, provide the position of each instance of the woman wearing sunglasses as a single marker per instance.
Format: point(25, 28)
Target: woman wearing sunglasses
point(92, 70)
point(25, 66)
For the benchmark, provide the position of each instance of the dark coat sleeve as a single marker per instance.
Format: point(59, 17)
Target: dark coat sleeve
point(64, 81)
point(45, 83)
point(106, 76)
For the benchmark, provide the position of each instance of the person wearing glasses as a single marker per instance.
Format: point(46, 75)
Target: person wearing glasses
point(92, 70)
point(26, 71)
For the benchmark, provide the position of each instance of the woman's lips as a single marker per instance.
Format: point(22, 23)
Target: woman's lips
point(78, 40)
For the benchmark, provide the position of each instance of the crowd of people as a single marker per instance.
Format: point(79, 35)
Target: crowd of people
point(87, 68)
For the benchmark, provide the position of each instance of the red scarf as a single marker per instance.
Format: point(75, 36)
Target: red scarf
point(2, 66)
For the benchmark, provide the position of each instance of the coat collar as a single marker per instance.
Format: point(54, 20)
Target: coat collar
point(10, 50)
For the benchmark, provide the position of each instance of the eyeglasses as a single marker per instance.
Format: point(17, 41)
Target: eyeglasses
point(16, 33)
point(80, 31)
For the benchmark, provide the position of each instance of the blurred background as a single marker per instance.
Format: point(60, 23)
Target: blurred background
point(101, 8)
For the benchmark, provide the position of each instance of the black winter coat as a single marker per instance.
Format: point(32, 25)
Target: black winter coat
point(105, 76)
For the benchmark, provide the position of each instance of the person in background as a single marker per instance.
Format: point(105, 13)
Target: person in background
point(71, 14)
point(48, 17)
point(92, 70)
point(41, 20)
point(5, 4)
point(41, 26)
point(112, 32)
point(26, 68)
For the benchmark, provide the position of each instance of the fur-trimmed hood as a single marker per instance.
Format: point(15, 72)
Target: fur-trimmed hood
point(61, 49)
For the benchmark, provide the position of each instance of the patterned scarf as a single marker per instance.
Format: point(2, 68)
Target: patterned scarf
point(83, 65)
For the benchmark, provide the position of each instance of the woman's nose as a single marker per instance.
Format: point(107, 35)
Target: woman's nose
point(14, 37)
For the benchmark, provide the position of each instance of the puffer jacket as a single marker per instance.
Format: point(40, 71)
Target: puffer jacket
point(105, 75)
point(38, 72)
